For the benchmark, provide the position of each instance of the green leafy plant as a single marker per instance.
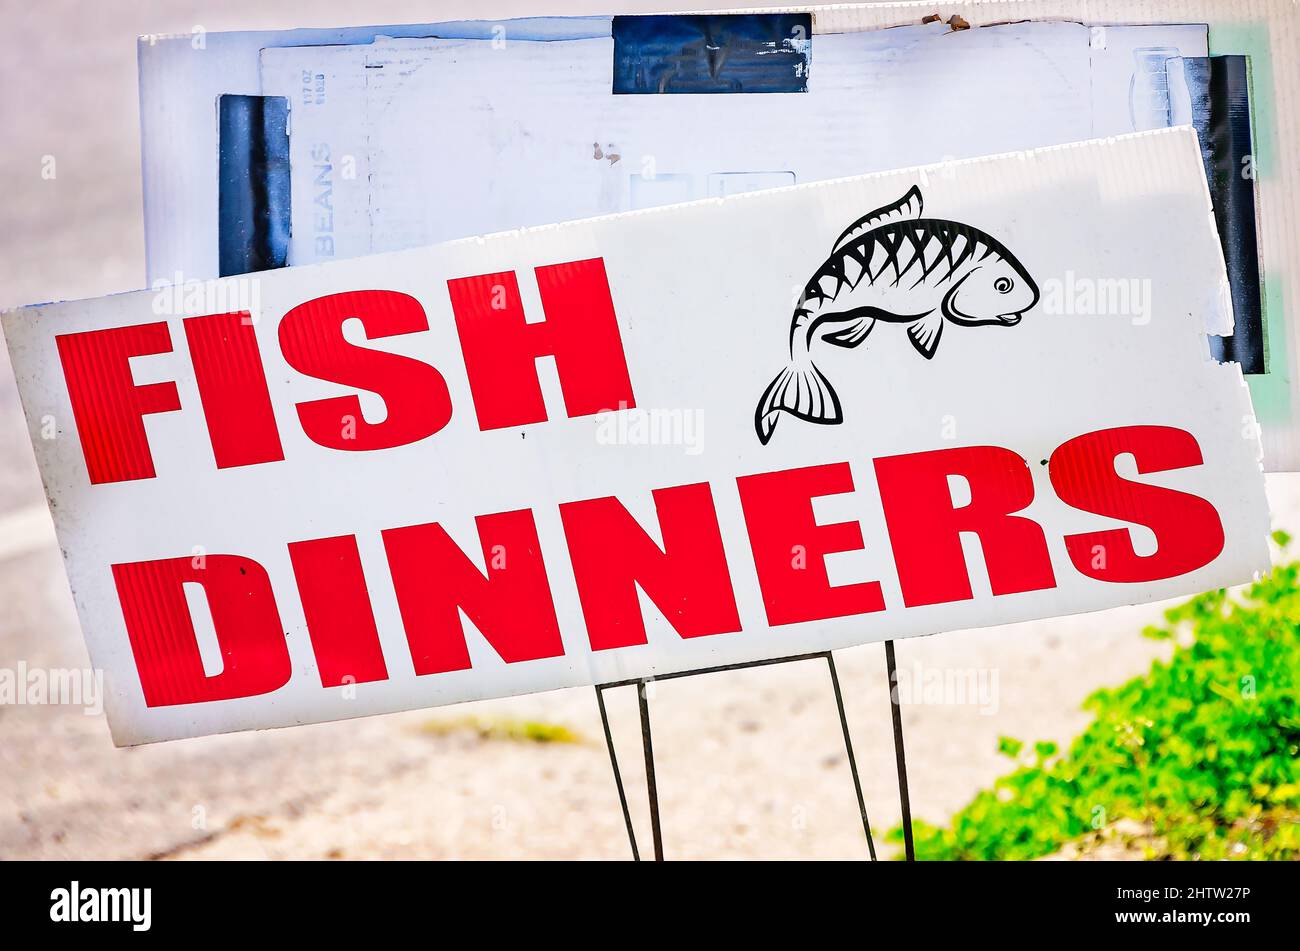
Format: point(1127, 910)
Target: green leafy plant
point(1197, 759)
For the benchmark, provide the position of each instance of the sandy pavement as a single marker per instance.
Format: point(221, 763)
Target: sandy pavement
point(749, 763)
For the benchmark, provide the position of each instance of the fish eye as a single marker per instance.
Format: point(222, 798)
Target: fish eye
point(1003, 285)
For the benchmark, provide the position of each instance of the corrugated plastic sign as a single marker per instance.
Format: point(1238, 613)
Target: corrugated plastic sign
point(789, 421)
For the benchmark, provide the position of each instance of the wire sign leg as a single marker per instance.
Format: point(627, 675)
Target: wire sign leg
point(652, 788)
point(848, 748)
point(897, 711)
point(618, 776)
point(647, 746)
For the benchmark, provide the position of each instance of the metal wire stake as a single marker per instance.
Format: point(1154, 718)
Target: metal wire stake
point(618, 776)
point(647, 746)
point(896, 711)
point(848, 748)
point(652, 788)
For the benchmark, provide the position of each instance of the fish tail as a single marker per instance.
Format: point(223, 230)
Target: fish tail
point(802, 391)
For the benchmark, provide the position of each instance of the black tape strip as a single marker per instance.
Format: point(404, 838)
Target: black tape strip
point(253, 189)
point(1232, 187)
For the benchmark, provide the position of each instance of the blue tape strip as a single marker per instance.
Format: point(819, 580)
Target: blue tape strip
point(738, 53)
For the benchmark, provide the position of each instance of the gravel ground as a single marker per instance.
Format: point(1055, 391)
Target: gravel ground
point(749, 763)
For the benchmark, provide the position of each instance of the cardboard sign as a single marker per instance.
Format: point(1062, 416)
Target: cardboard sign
point(746, 428)
point(543, 137)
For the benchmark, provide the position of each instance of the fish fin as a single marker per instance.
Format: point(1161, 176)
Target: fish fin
point(852, 334)
point(925, 333)
point(909, 206)
point(801, 391)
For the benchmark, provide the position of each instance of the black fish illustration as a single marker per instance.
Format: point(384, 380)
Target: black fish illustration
point(894, 266)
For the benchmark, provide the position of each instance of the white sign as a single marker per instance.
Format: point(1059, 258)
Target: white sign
point(739, 429)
